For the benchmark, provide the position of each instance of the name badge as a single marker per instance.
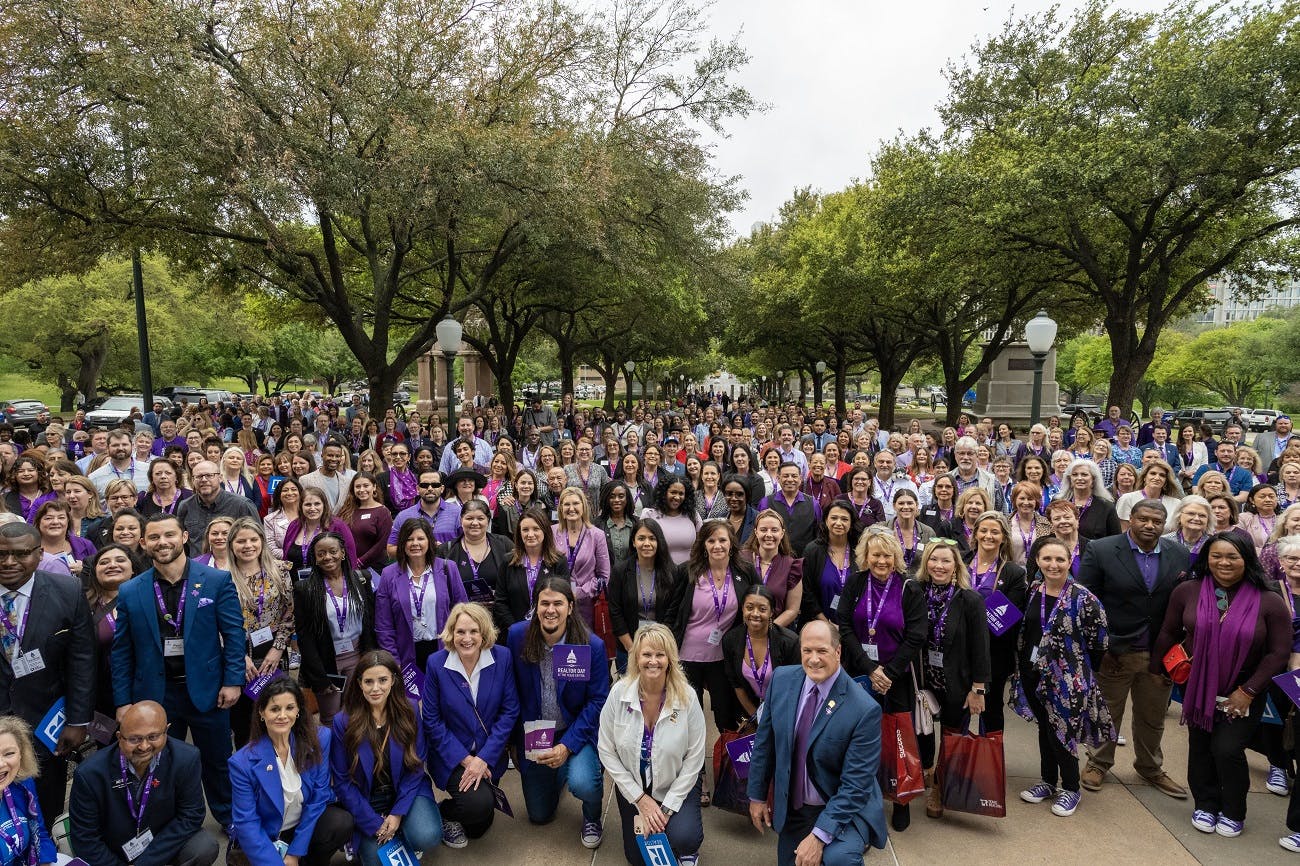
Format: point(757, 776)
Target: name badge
point(261, 636)
point(343, 645)
point(1033, 655)
point(136, 845)
point(174, 646)
point(935, 658)
point(365, 516)
point(715, 637)
point(835, 602)
point(28, 663)
point(304, 573)
point(872, 651)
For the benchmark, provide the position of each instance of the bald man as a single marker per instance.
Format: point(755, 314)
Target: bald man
point(137, 801)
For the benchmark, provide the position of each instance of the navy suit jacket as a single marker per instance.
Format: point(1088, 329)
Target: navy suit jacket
point(213, 631)
point(101, 822)
point(257, 800)
point(353, 790)
point(580, 703)
point(843, 755)
point(462, 726)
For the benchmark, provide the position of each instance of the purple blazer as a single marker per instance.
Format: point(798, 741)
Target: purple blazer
point(463, 726)
point(354, 792)
point(588, 566)
point(393, 617)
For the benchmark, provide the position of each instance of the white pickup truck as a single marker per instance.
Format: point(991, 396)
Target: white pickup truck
point(1261, 419)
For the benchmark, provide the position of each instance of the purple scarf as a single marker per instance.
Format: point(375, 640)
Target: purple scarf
point(1218, 650)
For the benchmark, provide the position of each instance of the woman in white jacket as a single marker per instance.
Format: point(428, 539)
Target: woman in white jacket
point(652, 743)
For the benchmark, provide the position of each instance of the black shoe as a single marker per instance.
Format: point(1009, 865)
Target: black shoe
point(901, 818)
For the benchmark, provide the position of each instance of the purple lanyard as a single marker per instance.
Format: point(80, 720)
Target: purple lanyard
point(572, 552)
point(760, 673)
point(1042, 604)
point(946, 515)
point(863, 508)
point(1074, 560)
point(989, 579)
point(1027, 539)
point(14, 842)
point(306, 545)
point(647, 600)
point(719, 609)
point(173, 621)
point(844, 571)
point(876, 606)
point(888, 491)
point(937, 632)
point(1083, 509)
point(908, 554)
point(340, 612)
point(648, 735)
point(708, 503)
point(170, 509)
point(531, 570)
point(417, 601)
point(762, 577)
point(128, 473)
point(1194, 548)
point(261, 596)
point(145, 790)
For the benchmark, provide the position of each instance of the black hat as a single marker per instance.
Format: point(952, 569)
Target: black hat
point(461, 474)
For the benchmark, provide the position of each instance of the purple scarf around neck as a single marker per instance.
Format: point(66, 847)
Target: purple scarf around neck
point(1218, 650)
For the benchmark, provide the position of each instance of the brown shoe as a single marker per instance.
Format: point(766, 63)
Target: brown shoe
point(1092, 777)
point(934, 799)
point(1166, 785)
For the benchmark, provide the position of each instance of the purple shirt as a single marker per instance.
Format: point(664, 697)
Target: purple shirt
point(889, 628)
point(1147, 563)
point(830, 586)
point(704, 619)
point(446, 523)
point(810, 795)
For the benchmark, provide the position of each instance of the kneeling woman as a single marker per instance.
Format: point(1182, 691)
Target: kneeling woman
point(280, 785)
point(652, 742)
point(377, 756)
point(470, 707)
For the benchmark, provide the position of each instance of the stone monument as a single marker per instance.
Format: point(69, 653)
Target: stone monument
point(1006, 391)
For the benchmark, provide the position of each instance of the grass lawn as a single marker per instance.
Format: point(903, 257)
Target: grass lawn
point(14, 386)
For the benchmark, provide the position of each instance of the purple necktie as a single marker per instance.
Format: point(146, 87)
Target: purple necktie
point(806, 715)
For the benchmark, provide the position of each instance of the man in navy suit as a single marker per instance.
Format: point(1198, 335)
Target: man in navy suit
point(180, 642)
point(819, 739)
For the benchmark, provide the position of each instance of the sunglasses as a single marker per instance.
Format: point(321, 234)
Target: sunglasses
point(1221, 599)
point(430, 485)
point(949, 542)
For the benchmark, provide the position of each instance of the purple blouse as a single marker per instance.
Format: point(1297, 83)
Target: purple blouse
point(889, 628)
point(704, 619)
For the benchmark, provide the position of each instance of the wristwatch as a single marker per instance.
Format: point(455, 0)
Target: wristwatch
point(979, 691)
point(668, 813)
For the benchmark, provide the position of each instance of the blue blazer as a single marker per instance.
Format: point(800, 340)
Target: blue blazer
point(25, 800)
point(213, 628)
point(452, 716)
point(353, 791)
point(580, 703)
point(257, 800)
point(843, 755)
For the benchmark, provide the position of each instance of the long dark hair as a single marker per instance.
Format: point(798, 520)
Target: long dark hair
point(305, 742)
point(314, 603)
point(1254, 573)
point(855, 525)
point(663, 562)
point(698, 564)
point(550, 553)
point(575, 630)
point(361, 725)
point(409, 528)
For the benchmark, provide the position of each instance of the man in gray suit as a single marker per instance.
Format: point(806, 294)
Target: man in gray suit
point(1271, 444)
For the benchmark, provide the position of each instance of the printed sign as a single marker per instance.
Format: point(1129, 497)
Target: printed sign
point(395, 853)
point(52, 725)
point(539, 737)
point(1001, 613)
point(254, 687)
point(413, 680)
point(572, 662)
point(655, 850)
point(500, 801)
point(740, 751)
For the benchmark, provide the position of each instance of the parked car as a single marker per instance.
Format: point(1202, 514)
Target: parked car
point(115, 410)
point(1261, 419)
point(191, 394)
point(1216, 418)
point(22, 411)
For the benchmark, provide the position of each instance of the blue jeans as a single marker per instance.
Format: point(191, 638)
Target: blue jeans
point(846, 849)
point(685, 830)
point(421, 830)
point(582, 773)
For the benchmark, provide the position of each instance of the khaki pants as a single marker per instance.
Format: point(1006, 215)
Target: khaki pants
point(1123, 677)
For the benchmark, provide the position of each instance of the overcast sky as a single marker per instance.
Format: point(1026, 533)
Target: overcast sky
point(840, 76)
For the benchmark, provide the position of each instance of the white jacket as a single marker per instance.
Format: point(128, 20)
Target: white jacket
point(679, 745)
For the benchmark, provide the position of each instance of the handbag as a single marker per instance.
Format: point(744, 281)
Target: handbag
point(602, 624)
point(972, 772)
point(1178, 664)
point(902, 779)
point(729, 793)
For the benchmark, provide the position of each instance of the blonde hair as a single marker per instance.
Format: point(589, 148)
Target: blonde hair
point(658, 636)
point(476, 612)
point(582, 497)
point(22, 734)
point(966, 496)
point(92, 501)
point(960, 575)
point(880, 538)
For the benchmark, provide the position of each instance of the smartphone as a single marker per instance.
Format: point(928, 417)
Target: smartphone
point(638, 825)
point(338, 681)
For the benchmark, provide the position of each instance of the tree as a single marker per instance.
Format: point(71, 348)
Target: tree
point(1233, 362)
point(383, 162)
point(1148, 152)
point(1075, 370)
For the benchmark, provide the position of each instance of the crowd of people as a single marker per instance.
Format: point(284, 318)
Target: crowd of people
point(350, 627)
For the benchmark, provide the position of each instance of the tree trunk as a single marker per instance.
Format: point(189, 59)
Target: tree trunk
point(566, 351)
point(92, 357)
point(383, 382)
point(803, 387)
point(250, 379)
point(1130, 357)
point(67, 393)
point(891, 376)
point(841, 385)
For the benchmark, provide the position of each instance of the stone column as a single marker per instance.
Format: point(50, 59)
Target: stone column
point(425, 365)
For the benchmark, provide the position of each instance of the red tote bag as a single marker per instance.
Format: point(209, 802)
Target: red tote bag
point(972, 773)
point(902, 779)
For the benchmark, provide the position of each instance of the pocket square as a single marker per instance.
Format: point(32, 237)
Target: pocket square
point(204, 602)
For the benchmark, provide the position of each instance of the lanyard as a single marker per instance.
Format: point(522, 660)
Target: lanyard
point(14, 842)
point(719, 608)
point(1027, 538)
point(145, 790)
point(177, 620)
point(340, 612)
point(909, 554)
point(843, 571)
point(875, 607)
point(1042, 604)
point(888, 490)
point(762, 575)
point(306, 545)
point(261, 595)
point(417, 601)
point(863, 508)
point(760, 673)
point(937, 631)
point(648, 736)
point(169, 509)
point(647, 600)
point(1194, 548)
point(531, 570)
point(989, 579)
point(572, 552)
point(1083, 509)
point(129, 472)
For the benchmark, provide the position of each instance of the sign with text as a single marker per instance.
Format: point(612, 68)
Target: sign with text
point(572, 662)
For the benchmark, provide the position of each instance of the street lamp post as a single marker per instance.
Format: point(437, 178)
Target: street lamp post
point(763, 388)
point(1040, 333)
point(780, 385)
point(630, 368)
point(820, 367)
point(449, 332)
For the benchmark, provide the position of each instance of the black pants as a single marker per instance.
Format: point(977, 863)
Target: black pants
point(1293, 807)
point(1055, 761)
point(951, 715)
point(201, 849)
point(685, 830)
point(51, 784)
point(1217, 771)
point(473, 809)
point(210, 733)
point(1004, 663)
point(333, 830)
point(713, 677)
point(1268, 738)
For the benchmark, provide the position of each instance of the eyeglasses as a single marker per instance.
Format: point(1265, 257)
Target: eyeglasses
point(1221, 599)
point(17, 554)
point(153, 739)
point(197, 476)
point(430, 485)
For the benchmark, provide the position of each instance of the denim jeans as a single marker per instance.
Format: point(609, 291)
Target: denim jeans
point(421, 830)
point(582, 773)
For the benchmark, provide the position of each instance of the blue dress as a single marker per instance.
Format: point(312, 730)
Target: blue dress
point(20, 817)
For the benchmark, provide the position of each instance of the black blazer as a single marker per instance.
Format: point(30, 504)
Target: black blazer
point(916, 626)
point(513, 600)
point(506, 518)
point(814, 561)
point(1109, 569)
point(1100, 520)
point(59, 625)
point(965, 645)
point(500, 549)
point(314, 635)
point(930, 517)
point(953, 529)
point(782, 645)
point(624, 597)
point(679, 610)
point(101, 823)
